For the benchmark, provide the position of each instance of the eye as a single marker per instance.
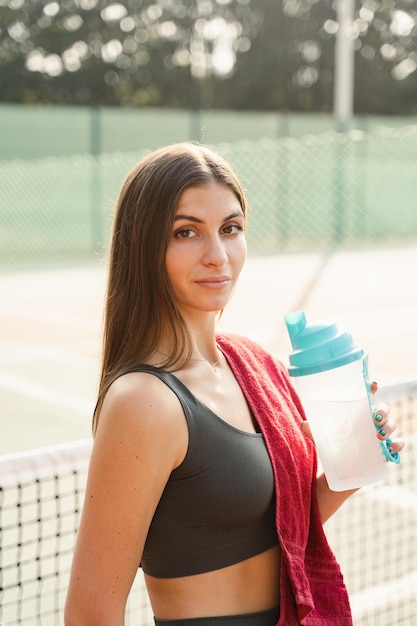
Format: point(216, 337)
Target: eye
point(184, 233)
point(232, 229)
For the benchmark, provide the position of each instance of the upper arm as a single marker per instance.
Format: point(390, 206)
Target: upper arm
point(141, 437)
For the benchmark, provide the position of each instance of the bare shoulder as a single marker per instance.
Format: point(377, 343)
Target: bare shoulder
point(142, 398)
point(140, 411)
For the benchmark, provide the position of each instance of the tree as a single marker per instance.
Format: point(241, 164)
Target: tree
point(291, 61)
point(240, 54)
point(129, 52)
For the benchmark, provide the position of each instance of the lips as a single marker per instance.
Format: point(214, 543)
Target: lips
point(214, 282)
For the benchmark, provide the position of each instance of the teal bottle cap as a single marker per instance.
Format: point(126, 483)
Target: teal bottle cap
point(318, 347)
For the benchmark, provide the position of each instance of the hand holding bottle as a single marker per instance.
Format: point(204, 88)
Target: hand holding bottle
point(331, 376)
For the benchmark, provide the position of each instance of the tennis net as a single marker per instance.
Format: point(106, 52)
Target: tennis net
point(41, 495)
point(374, 535)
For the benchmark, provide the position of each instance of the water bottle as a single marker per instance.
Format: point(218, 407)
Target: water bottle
point(331, 377)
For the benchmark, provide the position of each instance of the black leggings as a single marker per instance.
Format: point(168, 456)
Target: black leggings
point(263, 618)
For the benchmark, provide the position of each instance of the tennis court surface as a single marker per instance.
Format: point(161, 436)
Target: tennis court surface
point(50, 325)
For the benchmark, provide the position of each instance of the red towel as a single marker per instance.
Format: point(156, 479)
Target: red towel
point(312, 589)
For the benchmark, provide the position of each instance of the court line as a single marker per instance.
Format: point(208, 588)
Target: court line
point(45, 394)
point(58, 318)
point(18, 351)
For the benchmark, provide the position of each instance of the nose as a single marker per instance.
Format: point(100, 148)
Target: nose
point(215, 252)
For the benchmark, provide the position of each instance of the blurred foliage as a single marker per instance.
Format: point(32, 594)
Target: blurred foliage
point(233, 54)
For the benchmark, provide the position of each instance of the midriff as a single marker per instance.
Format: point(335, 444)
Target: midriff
point(246, 587)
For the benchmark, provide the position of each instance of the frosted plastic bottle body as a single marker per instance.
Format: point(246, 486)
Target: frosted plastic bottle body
point(338, 410)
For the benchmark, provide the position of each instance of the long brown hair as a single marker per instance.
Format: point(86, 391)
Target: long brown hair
point(140, 310)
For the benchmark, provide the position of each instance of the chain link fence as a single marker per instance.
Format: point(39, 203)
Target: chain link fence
point(310, 192)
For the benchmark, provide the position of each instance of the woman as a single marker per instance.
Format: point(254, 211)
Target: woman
point(200, 471)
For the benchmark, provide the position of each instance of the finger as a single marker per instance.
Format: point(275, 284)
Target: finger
point(396, 445)
point(381, 413)
point(374, 387)
point(386, 429)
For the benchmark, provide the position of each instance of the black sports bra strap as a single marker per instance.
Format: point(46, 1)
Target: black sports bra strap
point(184, 395)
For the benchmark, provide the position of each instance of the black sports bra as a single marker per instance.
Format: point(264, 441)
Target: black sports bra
point(218, 506)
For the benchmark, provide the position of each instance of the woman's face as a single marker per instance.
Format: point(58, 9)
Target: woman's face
point(206, 249)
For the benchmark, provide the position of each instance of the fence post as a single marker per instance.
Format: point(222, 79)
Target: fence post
point(283, 177)
point(195, 124)
point(362, 222)
point(95, 190)
point(344, 65)
point(339, 222)
point(342, 107)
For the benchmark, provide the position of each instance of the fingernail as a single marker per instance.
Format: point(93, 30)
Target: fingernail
point(382, 432)
point(378, 418)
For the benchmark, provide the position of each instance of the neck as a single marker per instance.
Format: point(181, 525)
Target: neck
point(209, 359)
point(202, 332)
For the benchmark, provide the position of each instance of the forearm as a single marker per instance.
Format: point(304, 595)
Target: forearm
point(329, 501)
